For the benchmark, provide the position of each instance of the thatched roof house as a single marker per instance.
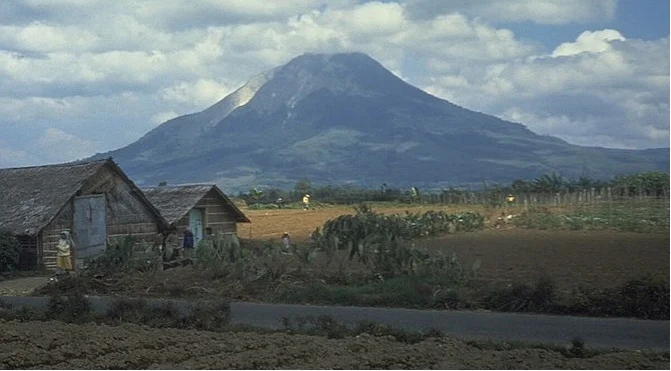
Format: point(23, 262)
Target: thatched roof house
point(94, 200)
point(199, 207)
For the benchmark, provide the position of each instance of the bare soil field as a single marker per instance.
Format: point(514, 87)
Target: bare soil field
point(271, 224)
point(56, 345)
point(593, 259)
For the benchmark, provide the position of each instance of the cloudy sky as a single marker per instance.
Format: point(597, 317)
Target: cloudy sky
point(84, 76)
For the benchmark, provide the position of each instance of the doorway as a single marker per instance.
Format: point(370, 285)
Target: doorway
point(90, 226)
point(196, 225)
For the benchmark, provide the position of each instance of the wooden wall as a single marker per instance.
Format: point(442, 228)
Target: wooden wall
point(126, 214)
point(218, 215)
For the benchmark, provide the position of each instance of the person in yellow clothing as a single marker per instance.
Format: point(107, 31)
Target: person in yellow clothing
point(64, 252)
point(306, 202)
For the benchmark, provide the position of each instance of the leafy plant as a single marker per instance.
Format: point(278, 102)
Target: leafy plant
point(9, 252)
point(116, 258)
point(381, 241)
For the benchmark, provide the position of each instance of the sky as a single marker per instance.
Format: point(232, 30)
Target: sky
point(79, 77)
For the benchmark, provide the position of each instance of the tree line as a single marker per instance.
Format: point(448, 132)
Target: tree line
point(645, 184)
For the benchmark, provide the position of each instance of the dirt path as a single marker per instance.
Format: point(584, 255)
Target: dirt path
point(22, 286)
point(66, 346)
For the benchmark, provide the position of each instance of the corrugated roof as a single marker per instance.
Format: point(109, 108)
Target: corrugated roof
point(175, 201)
point(30, 197)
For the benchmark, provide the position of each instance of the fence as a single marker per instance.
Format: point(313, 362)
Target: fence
point(567, 197)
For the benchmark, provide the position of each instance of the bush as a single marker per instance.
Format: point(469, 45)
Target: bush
point(645, 298)
point(207, 316)
point(217, 254)
point(327, 326)
point(73, 308)
point(379, 241)
point(523, 298)
point(117, 257)
point(210, 316)
point(9, 252)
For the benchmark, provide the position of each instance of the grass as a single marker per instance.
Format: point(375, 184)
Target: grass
point(645, 298)
point(399, 291)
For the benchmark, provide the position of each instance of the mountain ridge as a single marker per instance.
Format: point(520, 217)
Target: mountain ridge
point(344, 118)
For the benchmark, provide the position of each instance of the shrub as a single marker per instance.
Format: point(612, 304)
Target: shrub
point(328, 326)
point(218, 253)
point(117, 257)
point(521, 297)
point(210, 316)
point(379, 241)
point(646, 298)
point(9, 252)
point(75, 308)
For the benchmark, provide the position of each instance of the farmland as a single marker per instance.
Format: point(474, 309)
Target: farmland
point(602, 258)
point(507, 255)
point(130, 346)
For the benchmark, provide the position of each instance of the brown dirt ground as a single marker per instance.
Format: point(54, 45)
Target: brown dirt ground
point(596, 259)
point(56, 345)
point(271, 224)
point(588, 258)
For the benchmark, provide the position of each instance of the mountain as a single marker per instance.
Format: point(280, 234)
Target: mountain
point(344, 118)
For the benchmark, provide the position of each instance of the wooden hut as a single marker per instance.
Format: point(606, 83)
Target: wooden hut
point(94, 200)
point(197, 207)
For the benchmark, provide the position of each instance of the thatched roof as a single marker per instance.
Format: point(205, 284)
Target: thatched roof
point(31, 197)
point(174, 202)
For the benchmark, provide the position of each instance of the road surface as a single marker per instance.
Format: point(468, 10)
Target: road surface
point(622, 333)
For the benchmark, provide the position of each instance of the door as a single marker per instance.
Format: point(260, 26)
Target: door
point(90, 226)
point(196, 225)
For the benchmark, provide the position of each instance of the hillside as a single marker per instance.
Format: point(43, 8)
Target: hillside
point(344, 118)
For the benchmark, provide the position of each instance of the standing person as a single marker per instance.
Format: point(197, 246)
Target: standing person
point(279, 202)
point(187, 243)
point(306, 202)
point(286, 241)
point(64, 252)
point(171, 246)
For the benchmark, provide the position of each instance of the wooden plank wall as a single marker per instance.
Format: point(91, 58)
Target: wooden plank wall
point(218, 215)
point(126, 215)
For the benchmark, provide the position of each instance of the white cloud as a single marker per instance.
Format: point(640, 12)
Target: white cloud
point(10, 157)
point(103, 73)
point(594, 42)
point(537, 11)
point(199, 93)
point(613, 95)
point(63, 146)
point(162, 117)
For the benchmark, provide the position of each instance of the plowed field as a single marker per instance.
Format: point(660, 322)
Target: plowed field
point(56, 345)
point(571, 258)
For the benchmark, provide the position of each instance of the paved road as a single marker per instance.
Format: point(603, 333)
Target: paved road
point(596, 332)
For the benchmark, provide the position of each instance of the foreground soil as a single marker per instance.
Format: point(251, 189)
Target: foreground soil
point(56, 345)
